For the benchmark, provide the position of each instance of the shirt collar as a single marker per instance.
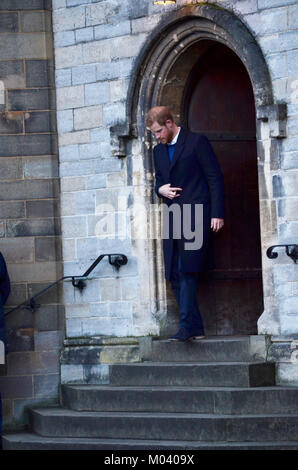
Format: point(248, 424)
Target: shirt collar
point(175, 138)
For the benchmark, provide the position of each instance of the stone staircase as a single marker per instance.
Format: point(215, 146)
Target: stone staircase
point(216, 393)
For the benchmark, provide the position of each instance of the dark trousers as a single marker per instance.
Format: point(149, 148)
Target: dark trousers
point(184, 286)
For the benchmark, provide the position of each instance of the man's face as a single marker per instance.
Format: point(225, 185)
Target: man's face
point(163, 133)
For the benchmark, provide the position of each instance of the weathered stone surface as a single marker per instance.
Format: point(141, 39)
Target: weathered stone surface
point(34, 189)
point(41, 167)
point(18, 250)
point(28, 99)
point(68, 18)
point(26, 5)
point(44, 121)
point(84, 35)
point(46, 386)
point(65, 38)
point(12, 73)
point(47, 249)
point(44, 227)
point(25, 46)
point(97, 93)
point(12, 210)
point(70, 97)
point(87, 117)
point(39, 73)
point(42, 271)
point(85, 373)
point(8, 22)
point(11, 168)
point(83, 74)
point(66, 57)
point(16, 387)
point(63, 77)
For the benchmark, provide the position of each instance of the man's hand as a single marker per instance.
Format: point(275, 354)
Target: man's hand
point(167, 191)
point(217, 224)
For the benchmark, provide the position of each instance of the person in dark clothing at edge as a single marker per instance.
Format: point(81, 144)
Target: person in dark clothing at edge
point(4, 293)
point(187, 173)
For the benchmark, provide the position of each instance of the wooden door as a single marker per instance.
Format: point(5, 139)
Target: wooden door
point(219, 103)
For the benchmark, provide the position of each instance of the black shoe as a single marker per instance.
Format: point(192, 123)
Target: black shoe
point(182, 335)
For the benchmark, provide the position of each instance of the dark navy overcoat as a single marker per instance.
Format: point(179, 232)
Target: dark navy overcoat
point(195, 169)
point(4, 293)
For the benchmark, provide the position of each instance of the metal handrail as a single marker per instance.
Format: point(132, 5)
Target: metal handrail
point(291, 250)
point(115, 259)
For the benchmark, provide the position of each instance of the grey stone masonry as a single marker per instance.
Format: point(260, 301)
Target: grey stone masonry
point(94, 54)
point(97, 44)
point(29, 206)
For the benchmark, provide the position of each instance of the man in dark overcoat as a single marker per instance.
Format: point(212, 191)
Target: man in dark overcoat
point(4, 293)
point(189, 180)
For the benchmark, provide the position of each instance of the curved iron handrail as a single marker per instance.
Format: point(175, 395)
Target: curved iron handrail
point(116, 259)
point(291, 250)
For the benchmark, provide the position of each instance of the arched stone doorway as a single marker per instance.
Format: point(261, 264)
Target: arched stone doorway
point(218, 101)
point(183, 38)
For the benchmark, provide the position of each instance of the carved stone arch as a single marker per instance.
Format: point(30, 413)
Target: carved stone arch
point(184, 29)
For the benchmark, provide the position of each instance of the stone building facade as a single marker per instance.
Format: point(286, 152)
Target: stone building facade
point(77, 176)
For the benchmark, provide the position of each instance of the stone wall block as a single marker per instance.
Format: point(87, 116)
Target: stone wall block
point(44, 121)
point(12, 73)
point(83, 74)
point(29, 228)
point(25, 46)
point(288, 232)
point(42, 167)
point(274, 3)
point(73, 138)
point(48, 340)
point(70, 97)
point(45, 271)
point(65, 121)
point(47, 248)
point(46, 386)
point(84, 35)
point(36, 21)
point(43, 208)
point(110, 70)
point(74, 227)
point(18, 250)
point(112, 30)
point(64, 38)
point(288, 208)
point(16, 387)
point(11, 168)
point(8, 22)
point(29, 144)
point(97, 93)
point(68, 18)
point(25, 189)
point(66, 57)
point(87, 117)
point(19, 100)
point(12, 210)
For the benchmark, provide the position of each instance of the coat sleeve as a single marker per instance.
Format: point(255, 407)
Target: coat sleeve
point(158, 176)
point(4, 280)
point(213, 174)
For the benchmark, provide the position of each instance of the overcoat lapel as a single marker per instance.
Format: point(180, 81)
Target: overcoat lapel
point(179, 148)
point(165, 161)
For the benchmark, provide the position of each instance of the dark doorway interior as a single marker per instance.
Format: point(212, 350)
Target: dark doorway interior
point(219, 102)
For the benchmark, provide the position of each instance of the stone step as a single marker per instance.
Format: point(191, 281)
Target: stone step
point(210, 349)
point(61, 422)
point(220, 400)
point(232, 374)
point(31, 441)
